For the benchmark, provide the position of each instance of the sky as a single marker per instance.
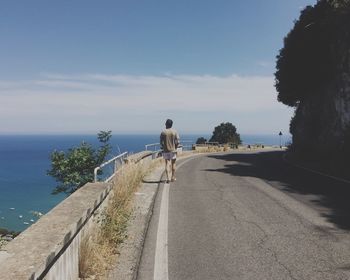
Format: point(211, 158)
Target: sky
point(81, 66)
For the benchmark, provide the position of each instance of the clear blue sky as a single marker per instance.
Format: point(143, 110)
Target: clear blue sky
point(81, 66)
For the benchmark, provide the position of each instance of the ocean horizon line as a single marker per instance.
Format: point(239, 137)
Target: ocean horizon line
point(131, 133)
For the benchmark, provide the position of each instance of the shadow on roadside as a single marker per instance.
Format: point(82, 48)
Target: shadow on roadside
point(153, 181)
point(330, 196)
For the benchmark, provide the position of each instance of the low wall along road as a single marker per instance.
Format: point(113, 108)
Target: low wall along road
point(49, 249)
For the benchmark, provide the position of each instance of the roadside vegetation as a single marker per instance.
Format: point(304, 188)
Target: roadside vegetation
point(212, 149)
point(2, 242)
point(99, 251)
point(224, 135)
point(309, 72)
point(201, 140)
point(312, 71)
point(6, 236)
point(74, 168)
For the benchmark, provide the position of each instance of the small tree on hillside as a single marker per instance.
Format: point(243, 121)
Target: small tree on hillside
point(74, 168)
point(201, 140)
point(226, 133)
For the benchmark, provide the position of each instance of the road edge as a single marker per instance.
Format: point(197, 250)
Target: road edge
point(130, 252)
point(298, 165)
point(128, 260)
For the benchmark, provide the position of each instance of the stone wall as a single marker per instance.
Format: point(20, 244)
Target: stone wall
point(49, 249)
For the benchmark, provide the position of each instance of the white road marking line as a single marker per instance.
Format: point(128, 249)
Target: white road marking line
point(161, 257)
point(314, 171)
point(160, 271)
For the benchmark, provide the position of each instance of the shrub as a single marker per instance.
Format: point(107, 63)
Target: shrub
point(74, 168)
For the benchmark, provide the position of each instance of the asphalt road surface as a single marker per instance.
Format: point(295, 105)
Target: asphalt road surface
point(248, 216)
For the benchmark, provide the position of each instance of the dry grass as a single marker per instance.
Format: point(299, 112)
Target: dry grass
point(91, 258)
point(2, 242)
point(211, 149)
point(98, 251)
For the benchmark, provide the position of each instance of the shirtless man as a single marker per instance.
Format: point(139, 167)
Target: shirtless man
point(169, 141)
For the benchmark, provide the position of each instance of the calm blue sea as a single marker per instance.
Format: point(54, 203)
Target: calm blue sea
point(24, 161)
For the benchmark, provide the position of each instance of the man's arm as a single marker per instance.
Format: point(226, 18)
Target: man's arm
point(161, 141)
point(177, 140)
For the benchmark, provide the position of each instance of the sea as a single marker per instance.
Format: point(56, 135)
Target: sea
point(25, 187)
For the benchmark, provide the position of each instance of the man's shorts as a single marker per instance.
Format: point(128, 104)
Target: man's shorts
point(169, 155)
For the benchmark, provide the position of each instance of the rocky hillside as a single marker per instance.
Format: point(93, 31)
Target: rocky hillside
point(313, 76)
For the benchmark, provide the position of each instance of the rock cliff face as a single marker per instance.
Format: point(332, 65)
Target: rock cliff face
point(313, 76)
point(322, 121)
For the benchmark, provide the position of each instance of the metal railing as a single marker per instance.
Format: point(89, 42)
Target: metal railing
point(186, 144)
point(118, 161)
point(153, 147)
point(115, 163)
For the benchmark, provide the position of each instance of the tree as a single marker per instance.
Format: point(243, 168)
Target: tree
point(226, 133)
point(306, 63)
point(74, 168)
point(201, 140)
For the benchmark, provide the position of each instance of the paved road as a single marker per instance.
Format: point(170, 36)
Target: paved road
point(248, 216)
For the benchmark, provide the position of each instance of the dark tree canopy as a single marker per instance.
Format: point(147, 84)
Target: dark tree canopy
point(226, 133)
point(305, 65)
point(201, 140)
point(74, 168)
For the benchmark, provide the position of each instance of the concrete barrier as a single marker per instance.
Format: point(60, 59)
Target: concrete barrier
point(141, 157)
point(49, 249)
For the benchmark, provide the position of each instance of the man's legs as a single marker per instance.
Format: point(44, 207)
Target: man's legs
point(173, 169)
point(166, 169)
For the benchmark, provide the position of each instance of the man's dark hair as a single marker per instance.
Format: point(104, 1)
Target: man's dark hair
point(168, 123)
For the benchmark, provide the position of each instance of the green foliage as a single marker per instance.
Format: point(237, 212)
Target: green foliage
point(340, 4)
point(201, 140)
point(75, 168)
point(226, 133)
point(305, 65)
point(346, 144)
point(103, 151)
point(4, 231)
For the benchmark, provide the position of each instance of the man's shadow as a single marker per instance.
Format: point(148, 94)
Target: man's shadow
point(154, 181)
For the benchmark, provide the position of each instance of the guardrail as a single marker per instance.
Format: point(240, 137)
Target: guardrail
point(50, 249)
point(153, 146)
point(118, 161)
point(185, 144)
